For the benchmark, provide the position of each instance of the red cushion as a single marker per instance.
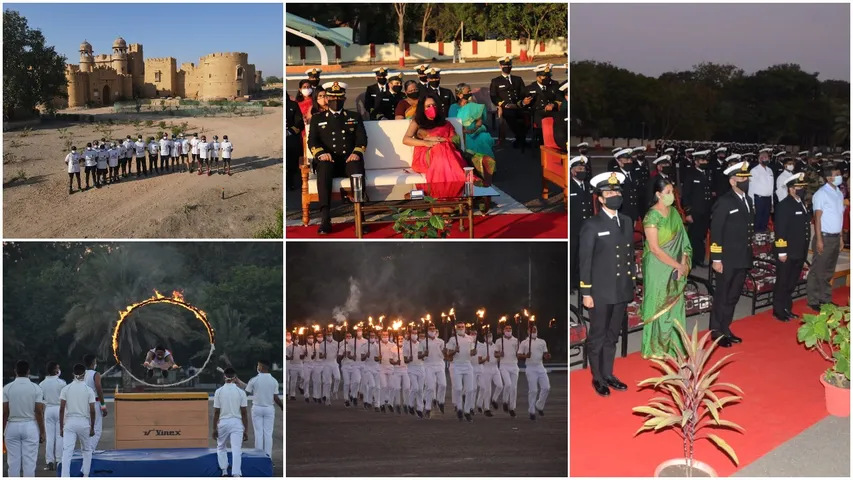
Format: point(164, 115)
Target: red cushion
point(764, 281)
point(548, 132)
point(696, 303)
point(577, 334)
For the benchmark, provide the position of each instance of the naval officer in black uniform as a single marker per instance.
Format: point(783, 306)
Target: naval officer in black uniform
point(580, 209)
point(629, 186)
point(314, 76)
point(295, 126)
point(546, 97)
point(507, 92)
point(732, 228)
point(696, 200)
point(443, 97)
point(793, 232)
point(378, 98)
point(607, 276)
point(337, 141)
point(421, 70)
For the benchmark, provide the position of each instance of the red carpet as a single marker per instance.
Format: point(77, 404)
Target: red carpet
point(531, 225)
point(782, 397)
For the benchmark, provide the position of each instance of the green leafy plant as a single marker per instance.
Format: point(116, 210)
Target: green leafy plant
point(420, 223)
point(693, 401)
point(828, 333)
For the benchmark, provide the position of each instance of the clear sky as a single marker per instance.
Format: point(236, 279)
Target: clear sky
point(191, 30)
point(655, 38)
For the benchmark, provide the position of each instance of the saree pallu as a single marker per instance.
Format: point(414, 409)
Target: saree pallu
point(663, 295)
point(479, 140)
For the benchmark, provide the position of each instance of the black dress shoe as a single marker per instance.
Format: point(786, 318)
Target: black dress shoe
point(532, 416)
point(494, 405)
point(615, 384)
point(541, 412)
point(506, 407)
point(791, 315)
point(488, 413)
point(325, 228)
point(420, 414)
point(734, 338)
point(601, 388)
point(782, 317)
point(459, 415)
point(469, 417)
point(723, 342)
point(512, 413)
point(441, 407)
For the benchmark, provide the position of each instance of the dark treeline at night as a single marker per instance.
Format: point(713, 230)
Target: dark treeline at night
point(61, 301)
point(712, 102)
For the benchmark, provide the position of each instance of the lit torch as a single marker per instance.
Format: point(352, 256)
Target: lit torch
point(501, 330)
point(396, 327)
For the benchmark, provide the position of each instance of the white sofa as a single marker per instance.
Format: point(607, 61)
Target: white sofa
point(387, 163)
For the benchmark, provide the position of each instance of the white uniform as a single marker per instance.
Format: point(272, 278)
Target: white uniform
point(139, 147)
point(22, 432)
point(194, 144)
point(478, 369)
point(295, 373)
point(73, 162)
point(388, 352)
point(537, 376)
point(78, 421)
point(152, 152)
point(229, 400)
point(416, 375)
point(214, 150)
point(509, 369)
point(185, 146)
point(264, 387)
point(331, 371)
point(400, 384)
point(99, 417)
point(463, 372)
point(370, 373)
point(226, 147)
point(113, 154)
point(348, 367)
point(165, 145)
point(52, 386)
point(313, 372)
point(358, 367)
point(203, 148)
point(176, 148)
point(157, 363)
point(103, 159)
point(491, 383)
point(781, 186)
point(128, 148)
point(90, 157)
point(436, 380)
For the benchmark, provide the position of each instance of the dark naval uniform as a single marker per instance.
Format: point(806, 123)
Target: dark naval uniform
point(444, 98)
point(295, 126)
point(543, 95)
point(339, 135)
point(732, 229)
point(580, 209)
point(793, 232)
point(696, 200)
point(380, 102)
point(720, 180)
point(607, 275)
point(630, 189)
point(506, 90)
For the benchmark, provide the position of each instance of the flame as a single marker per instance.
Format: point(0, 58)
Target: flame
point(301, 330)
point(396, 325)
point(381, 317)
point(502, 320)
point(429, 317)
point(370, 320)
point(452, 312)
point(525, 313)
point(516, 316)
point(315, 327)
point(442, 315)
point(177, 298)
point(533, 318)
point(481, 312)
point(552, 323)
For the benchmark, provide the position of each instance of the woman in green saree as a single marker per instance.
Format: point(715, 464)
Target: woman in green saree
point(666, 263)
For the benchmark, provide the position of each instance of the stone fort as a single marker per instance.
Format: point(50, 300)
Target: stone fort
point(125, 75)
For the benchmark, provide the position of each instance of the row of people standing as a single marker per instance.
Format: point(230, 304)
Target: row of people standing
point(106, 163)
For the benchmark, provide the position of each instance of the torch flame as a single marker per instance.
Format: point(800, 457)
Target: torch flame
point(552, 323)
point(525, 313)
point(516, 316)
point(533, 318)
point(452, 311)
point(301, 330)
point(428, 317)
point(481, 312)
point(381, 317)
point(315, 327)
point(502, 320)
point(396, 325)
point(442, 315)
point(370, 320)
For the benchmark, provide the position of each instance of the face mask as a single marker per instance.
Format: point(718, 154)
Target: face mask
point(800, 192)
point(467, 97)
point(581, 175)
point(421, 338)
point(314, 83)
point(743, 186)
point(358, 334)
point(506, 70)
point(430, 112)
point(335, 105)
point(434, 83)
point(384, 339)
point(507, 334)
point(58, 373)
point(422, 78)
point(413, 95)
point(460, 332)
point(613, 203)
point(667, 199)
point(837, 180)
point(489, 338)
point(533, 336)
point(259, 370)
point(310, 340)
point(397, 88)
point(372, 340)
point(288, 339)
point(789, 168)
point(330, 339)
point(319, 339)
point(306, 92)
point(381, 81)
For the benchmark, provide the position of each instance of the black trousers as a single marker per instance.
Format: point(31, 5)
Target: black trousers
point(787, 275)
point(514, 118)
point(152, 162)
point(293, 153)
point(71, 175)
point(697, 232)
point(140, 165)
point(762, 212)
point(574, 268)
point(91, 171)
point(727, 290)
point(328, 171)
point(605, 323)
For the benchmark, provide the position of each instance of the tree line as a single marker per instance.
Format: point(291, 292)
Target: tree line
point(781, 104)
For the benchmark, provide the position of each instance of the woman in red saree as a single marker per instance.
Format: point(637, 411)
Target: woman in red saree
point(437, 152)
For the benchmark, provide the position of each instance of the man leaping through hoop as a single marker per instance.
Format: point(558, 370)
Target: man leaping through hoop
point(159, 358)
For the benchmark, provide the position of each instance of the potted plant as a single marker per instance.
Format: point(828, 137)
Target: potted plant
point(692, 403)
point(420, 223)
point(828, 333)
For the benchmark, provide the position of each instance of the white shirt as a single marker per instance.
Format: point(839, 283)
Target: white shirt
point(294, 351)
point(156, 362)
point(185, 144)
point(371, 350)
point(176, 148)
point(194, 144)
point(761, 183)
point(229, 399)
point(22, 395)
point(483, 350)
point(403, 366)
point(152, 147)
point(509, 346)
point(227, 148)
point(264, 387)
point(90, 157)
point(389, 352)
point(78, 396)
point(140, 148)
point(466, 344)
point(52, 386)
point(103, 156)
point(345, 349)
point(73, 162)
point(310, 350)
point(165, 144)
point(475, 360)
point(432, 352)
point(202, 149)
point(616, 216)
point(359, 342)
point(781, 188)
point(329, 348)
point(537, 348)
point(830, 202)
point(415, 347)
point(113, 154)
point(128, 146)
point(90, 381)
point(214, 148)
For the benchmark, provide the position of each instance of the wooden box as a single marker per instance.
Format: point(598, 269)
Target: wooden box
point(161, 420)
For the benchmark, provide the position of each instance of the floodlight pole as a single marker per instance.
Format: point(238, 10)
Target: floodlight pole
point(324, 56)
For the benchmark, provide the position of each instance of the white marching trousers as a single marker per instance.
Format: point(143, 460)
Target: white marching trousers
point(22, 448)
point(53, 441)
point(263, 418)
point(436, 385)
point(99, 425)
point(230, 430)
point(416, 390)
point(537, 383)
point(477, 392)
point(352, 378)
point(463, 385)
point(385, 385)
point(370, 386)
point(400, 386)
point(294, 377)
point(491, 386)
point(77, 428)
point(509, 375)
point(316, 382)
point(330, 372)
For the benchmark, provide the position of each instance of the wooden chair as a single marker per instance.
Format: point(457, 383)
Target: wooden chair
point(554, 162)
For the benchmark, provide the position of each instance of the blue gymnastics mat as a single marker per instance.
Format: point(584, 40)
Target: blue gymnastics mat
point(178, 462)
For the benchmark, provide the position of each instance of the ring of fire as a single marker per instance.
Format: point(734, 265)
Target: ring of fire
point(176, 299)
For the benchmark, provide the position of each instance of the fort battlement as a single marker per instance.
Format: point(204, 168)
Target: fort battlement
point(134, 48)
point(161, 59)
point(236, 56)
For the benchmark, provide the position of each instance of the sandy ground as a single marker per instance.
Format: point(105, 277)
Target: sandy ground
point(333, 441)
point(107, 442)
point(36, 203)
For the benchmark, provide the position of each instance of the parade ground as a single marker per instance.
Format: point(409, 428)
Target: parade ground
point(36, 203)
point(107, 442)
point(334, 441)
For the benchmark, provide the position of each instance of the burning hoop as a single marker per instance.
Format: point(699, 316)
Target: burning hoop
point(176, 299)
